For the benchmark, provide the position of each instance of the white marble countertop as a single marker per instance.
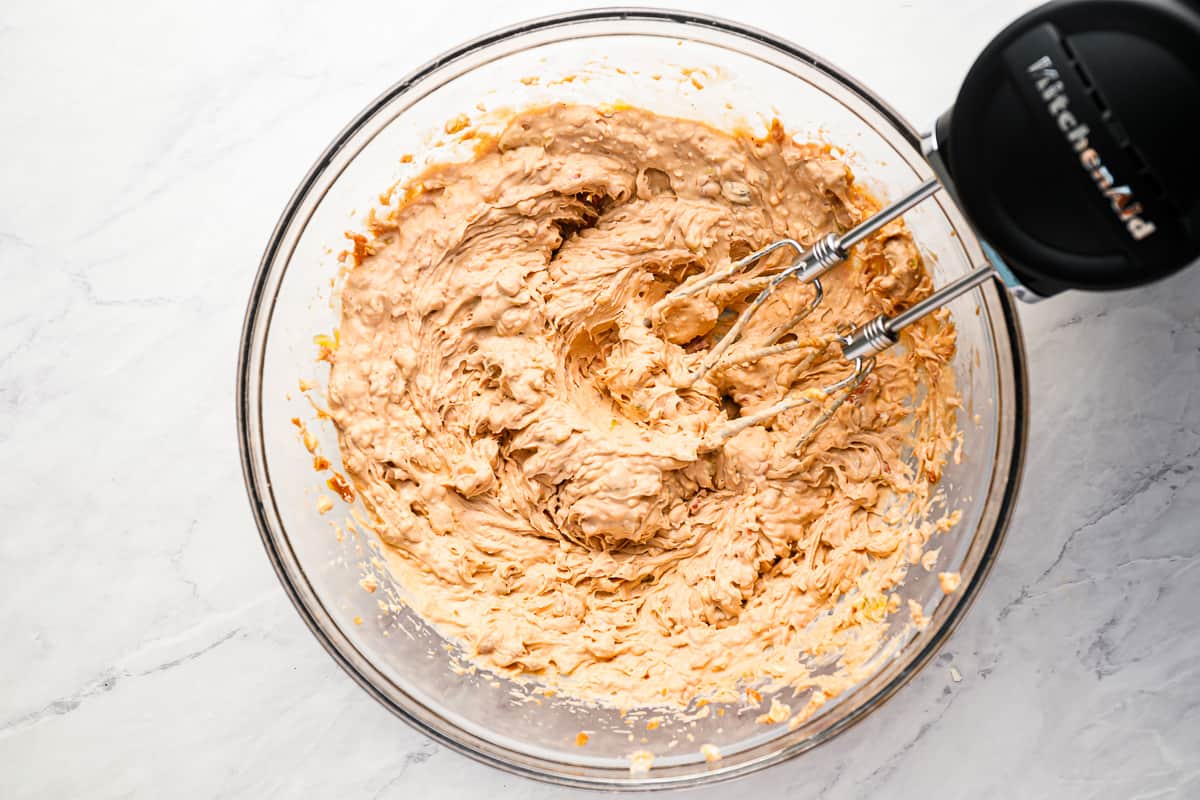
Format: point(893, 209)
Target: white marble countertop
point(149, 651)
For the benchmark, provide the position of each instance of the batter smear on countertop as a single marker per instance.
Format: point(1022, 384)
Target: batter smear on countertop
point(516, 411)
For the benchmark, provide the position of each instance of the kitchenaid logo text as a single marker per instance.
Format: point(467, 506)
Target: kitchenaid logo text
point(1046, 78)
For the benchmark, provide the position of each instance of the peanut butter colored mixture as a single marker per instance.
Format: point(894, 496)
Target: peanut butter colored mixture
point(513, 405)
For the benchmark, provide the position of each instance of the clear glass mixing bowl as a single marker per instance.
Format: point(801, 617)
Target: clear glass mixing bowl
point(645, 58)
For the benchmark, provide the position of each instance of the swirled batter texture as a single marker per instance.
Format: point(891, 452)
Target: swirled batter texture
point(513, 403)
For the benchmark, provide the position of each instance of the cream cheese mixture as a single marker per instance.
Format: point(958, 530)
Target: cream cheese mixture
point(513, 405)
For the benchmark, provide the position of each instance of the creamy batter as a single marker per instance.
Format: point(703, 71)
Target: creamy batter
point(513, 404)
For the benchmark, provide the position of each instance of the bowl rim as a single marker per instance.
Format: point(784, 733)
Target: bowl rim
point(310, 607)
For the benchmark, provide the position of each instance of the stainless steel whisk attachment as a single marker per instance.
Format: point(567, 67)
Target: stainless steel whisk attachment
point(859, 347)
point(825, 254)
point(844, 388)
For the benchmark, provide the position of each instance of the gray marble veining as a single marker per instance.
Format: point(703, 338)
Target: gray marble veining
point(147, 150)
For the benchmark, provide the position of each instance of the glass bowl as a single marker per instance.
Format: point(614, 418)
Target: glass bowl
point(678, 64)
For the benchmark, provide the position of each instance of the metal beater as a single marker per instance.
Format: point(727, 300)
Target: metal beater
point(859, 346)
